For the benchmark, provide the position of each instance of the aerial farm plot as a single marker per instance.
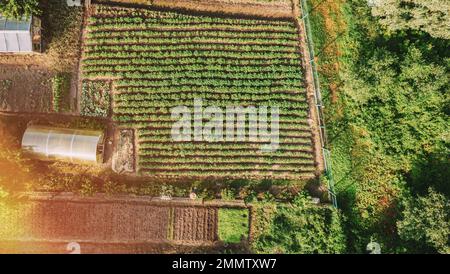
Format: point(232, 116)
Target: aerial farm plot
point(46, 217)
point(157, 61)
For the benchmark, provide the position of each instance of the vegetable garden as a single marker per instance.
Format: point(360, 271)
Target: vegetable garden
point(159, 60)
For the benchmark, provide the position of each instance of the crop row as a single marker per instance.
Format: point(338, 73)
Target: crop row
point(190, 61)
point(222, 160)
point(118, 68)
point(131, 34)
point(221, 166)
point(225, 147)
point(160, 76)
point(165, 18)
point(209, 90)
point(141, 122)
point(170, 41)
point(204, 53)
point(196, 27)
point(233, 98)
point(243, 154)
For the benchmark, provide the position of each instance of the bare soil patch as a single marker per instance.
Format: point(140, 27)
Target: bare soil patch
point(25, 87)
point(51, 217)
point(194, 224)
point(124, 152)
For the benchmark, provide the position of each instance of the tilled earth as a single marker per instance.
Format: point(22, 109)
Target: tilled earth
point(105, 221)
point(25, 88)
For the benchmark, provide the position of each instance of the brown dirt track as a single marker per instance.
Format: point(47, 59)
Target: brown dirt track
point(309, 84)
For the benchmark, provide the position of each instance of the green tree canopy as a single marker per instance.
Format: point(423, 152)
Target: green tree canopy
point(431, 16)
point(302, 227)
point(18, 8)
point(426, 222)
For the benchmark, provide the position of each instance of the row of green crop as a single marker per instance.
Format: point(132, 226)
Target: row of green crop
point(224, 160)
point(287, 118)
point(124, 54)
point(144, 120)
point(154, 106)
point(294, 91)
point(167, 122)
point(188, 22)
point(193, 75)
point(297, 133)
point(154, 16)
point(160, 133)
point(192, 46)
point(200, 27)
point(164, 107)
point(290, 140)
point(252, 149)
point(166, 174)
point(285, 129)
point(114, 12)
point(212, 82)
point(108, 11)
point(294, 139)
point(260, 35)
point(154, 41)
point(189, 60)
point(118, 68)
point(225, 145)
point(233, 98)
point(220, 166)
point(230, 154)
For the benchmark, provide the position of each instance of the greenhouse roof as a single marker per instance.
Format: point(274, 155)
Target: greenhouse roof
point(15, 35)
point(65, 144)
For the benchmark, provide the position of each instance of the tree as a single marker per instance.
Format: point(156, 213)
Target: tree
point(426, 223)
point(17, 9)
point(432, 16)
point(301, 227)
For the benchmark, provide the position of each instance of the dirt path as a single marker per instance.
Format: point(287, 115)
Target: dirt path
point(309, 85)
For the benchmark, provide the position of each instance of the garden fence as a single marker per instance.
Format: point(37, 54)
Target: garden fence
point(318, 102)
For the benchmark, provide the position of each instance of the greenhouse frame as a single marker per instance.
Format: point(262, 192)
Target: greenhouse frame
point(19, 36)
point(47, 143)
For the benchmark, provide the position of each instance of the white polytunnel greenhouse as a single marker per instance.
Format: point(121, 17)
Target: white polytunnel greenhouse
point(48, 143)
point(17, 36)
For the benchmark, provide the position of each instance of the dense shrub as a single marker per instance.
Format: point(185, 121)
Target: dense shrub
point(17, 9)
point(297, 227)
point(388, 107)
point(426, 223)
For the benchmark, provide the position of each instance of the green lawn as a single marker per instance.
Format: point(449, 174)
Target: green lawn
point(233, 224)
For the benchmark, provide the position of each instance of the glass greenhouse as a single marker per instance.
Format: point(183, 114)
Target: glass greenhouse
point(48, 143)
point(15, 35)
